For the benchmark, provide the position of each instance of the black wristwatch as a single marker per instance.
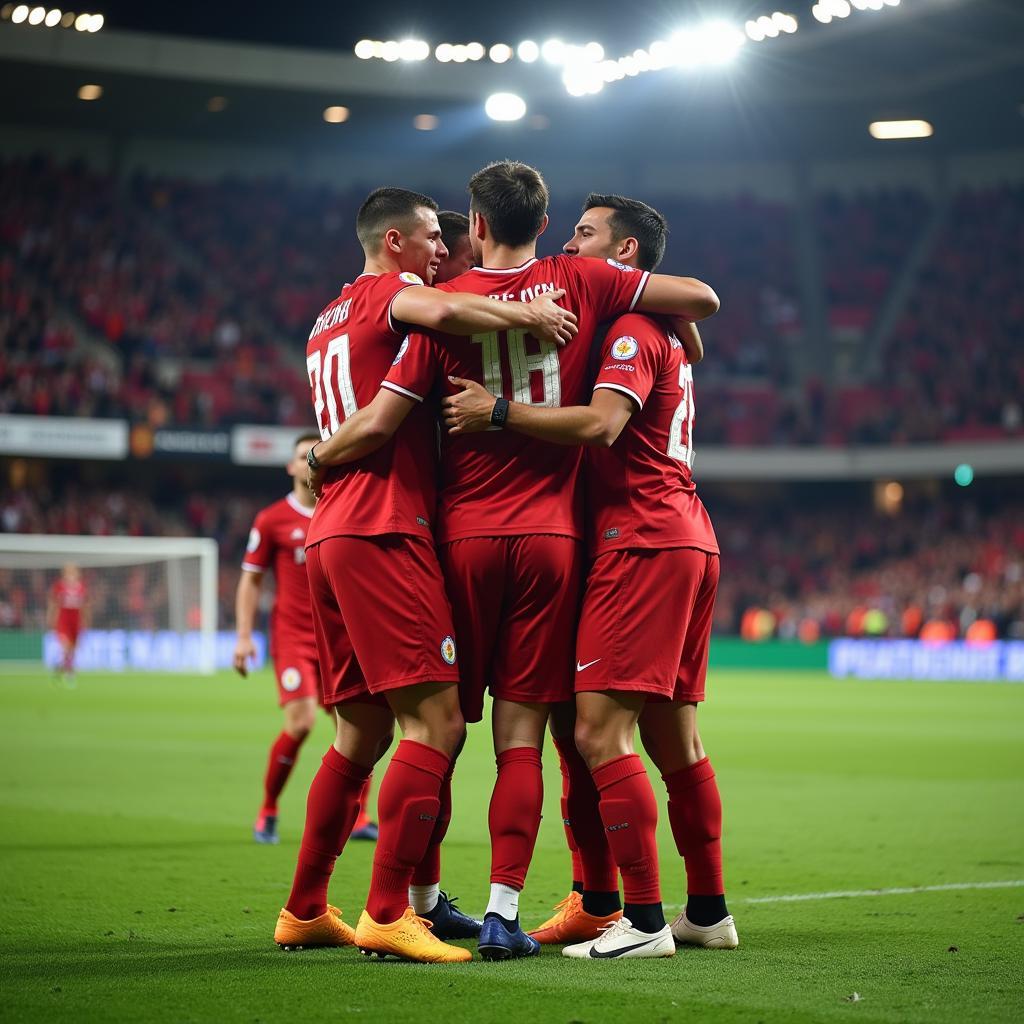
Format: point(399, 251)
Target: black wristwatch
point(311, 460)
point(500, 412)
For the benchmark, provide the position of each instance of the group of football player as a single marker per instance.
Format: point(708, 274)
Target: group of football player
point(499, 500)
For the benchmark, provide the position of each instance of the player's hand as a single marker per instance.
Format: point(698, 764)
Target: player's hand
point(553, 323)
point(315, 480)
point(469, 411)
point(244, 650)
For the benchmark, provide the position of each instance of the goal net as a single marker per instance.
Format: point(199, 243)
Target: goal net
point(150, 602)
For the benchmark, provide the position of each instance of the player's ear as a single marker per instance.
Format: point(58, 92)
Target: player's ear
point(477, 225)
point(393, 240)
point(628, 248)
point(543, 226)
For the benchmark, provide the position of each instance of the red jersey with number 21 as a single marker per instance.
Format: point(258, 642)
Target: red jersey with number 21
point(640, 491)
point(351, 348)
point(500, 483)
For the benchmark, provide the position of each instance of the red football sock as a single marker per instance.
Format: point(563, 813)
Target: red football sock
point(630, 815)
point(514, 816)
point(408, 805)
point(598, 870)
point(428, 871)
point(695, 813)
point(279, 767)
point(331, 808)
point(570, 839)
point(363, 817)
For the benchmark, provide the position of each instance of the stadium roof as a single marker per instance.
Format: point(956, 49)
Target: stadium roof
point(955, 63)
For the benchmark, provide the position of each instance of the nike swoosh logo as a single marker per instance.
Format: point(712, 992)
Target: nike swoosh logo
point(618, 952)
point(580, 668)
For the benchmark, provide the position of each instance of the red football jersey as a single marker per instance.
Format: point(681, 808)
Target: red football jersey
point(351, 348)
point(640, 491)
point(500, 483)
point(70, 597)
point(277, 541)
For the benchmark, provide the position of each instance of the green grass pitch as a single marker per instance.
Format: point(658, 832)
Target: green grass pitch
point(132, 890)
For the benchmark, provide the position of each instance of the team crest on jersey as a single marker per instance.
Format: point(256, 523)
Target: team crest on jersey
point(410, 278)
point(291, 679)
point(624, 348)
point(401, 351)
point(448, 650)
point(254, 540)
point(621, 266)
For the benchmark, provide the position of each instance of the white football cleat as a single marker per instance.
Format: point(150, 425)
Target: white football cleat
point(716, 936)
point(621, 939)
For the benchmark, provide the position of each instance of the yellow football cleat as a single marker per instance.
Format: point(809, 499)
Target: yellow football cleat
point(409, 938)
point(572, 923)
point(326, 930)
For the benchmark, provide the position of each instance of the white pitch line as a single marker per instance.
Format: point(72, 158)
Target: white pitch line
point(803, 897)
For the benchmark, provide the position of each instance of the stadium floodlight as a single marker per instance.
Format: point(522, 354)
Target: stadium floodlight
point(52, 18)
point(822, 14)
point(767, 26)
point(476, 51)
point(95, 23)
point(661, 54)
point(840, 8)
point(90, 92)
point(910, 129)
point(528, 51)
point(553, 51)
point(68, 19)
point(500, 53)
point(444, 52)
point(148, 594)
point(19, 14)
point(755, 33)
point(505, 106)
point(364, 49)
point(36, 15)
point(460, 53)
point(413, 49)
point(336, 115)
point(82, 22)
point(594, 52)
point(390, 51)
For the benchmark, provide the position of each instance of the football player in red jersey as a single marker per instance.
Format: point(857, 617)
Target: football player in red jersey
point(642, 647)
point(455, 235)
point(510, 518)
point(277, 541)
point(382, 619)
point(65, 614)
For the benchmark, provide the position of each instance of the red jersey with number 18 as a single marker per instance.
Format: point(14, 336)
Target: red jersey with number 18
point(640, 491)
point(500, 483)
point(351, 348)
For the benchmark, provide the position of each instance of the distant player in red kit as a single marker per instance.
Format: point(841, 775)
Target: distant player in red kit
point(510, 522)
point(642, 648)
point(277, 542)
point(382, 619)
point(65, 615)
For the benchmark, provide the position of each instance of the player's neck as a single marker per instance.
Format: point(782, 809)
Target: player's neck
point(506, 257)
point(304, 496)
point(380, 265)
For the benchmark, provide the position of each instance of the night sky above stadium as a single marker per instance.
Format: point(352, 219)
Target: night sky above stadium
point(336, 25)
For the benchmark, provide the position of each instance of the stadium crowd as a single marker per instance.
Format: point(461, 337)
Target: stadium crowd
point(933, 570)
point(178, 302)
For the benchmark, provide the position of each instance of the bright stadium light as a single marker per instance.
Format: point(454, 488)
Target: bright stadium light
point(505, 106)
point(500, 53)
point(755, 33)
point(594, 52)
point(767, 26)
point(528, 51)
point(36, 15)
point(391, 51)
point(476, 51)
point(413, 49)
point(82, 22)
point(553, 51)
point(840, 8)
point(52, 18)
point(912, 129)
point(364, 49)
point(460, 53)
point(95, 23)
point(19, 14)
point(336, 115)
point(444, 52)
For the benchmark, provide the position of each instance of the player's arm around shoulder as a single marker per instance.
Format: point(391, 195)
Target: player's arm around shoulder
point(682, 297)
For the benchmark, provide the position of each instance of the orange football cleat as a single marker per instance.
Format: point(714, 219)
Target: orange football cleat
point(572, 923)
point(326, 930)
point(409, 938)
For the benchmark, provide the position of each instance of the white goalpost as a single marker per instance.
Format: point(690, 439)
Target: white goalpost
point(151, 602)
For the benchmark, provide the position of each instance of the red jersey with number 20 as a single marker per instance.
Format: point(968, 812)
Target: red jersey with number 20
point(640, 491)
point(500, 483)
point(351, 348)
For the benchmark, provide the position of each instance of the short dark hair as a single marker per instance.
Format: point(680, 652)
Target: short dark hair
point(637, 220)
point(386, 208)
point(513, 199)
point(309, 435)
point(453, 227)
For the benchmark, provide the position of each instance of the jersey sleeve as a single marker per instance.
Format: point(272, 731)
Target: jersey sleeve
point(631, 357)
point(259, 550)
point(385, 288)
point(415, 368)
point(614, 288)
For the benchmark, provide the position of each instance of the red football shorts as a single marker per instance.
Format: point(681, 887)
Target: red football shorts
point(515, 601)
point(380, 615)
point(69, 625)
point(646, 623)
point(297, 670)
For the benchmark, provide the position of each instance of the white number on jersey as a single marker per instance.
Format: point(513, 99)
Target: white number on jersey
point(522, 365)
point(331, 382)
point(680, 434)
